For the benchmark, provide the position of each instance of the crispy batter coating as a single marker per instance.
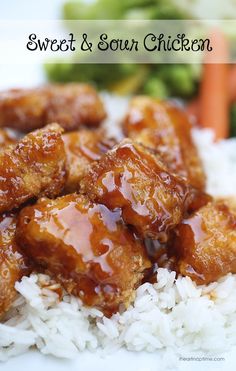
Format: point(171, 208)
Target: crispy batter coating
point(205, 243)
point(131, 178)
point(82, 148)
point(165, 128)
point(70, 105)
point(86, 247)
point(13, 264)
point(34, 166)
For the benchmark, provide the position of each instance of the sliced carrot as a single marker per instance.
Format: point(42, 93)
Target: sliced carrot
point(214, 91)
point(232, 83)
point(193, 107)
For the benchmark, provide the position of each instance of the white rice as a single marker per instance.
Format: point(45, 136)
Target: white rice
point(173, 314)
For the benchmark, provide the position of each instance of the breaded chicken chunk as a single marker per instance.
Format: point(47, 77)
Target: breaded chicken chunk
point(83, 147)
point(205, 243)
point(13, 264)
point(166, 128)
point(86, 247)
point(130, 177)
point(70, 105)
point(34, 166)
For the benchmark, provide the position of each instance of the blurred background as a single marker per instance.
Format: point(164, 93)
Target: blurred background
point(162, 81)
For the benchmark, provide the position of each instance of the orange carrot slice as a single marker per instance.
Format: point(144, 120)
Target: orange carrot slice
point(214, 91)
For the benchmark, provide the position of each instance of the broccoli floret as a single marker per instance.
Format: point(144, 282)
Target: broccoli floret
point(181, 80)
point(156, 88)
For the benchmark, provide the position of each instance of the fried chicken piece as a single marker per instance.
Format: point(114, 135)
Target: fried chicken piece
point(34, 166)
point(86, 247)
point(13, 264)
point(205, 243)
point(83, 147)
point(166, 128)
point(130, 177)
point(70, 105)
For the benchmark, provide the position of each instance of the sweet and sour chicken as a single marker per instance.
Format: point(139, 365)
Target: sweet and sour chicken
point(70, 105)
point(165, 128)
point(205, 243)
point(82, 148)
point(86, 247)
point(35, 166)
point(130, 177)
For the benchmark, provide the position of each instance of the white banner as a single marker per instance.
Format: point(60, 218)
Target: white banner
point(98, 41)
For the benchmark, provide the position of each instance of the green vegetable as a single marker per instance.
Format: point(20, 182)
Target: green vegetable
point(155, 88)
point(164, 10)
point(122, 9)
point(179, 78)
point(100, 74)
point(102, 9)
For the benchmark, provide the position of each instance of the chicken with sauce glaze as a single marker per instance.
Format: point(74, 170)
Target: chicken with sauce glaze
point(205, 243)
point(70, 105)
point(130, 177)
point(82, 148)
point(86, 247)
point(35, 166)
point(165, 128)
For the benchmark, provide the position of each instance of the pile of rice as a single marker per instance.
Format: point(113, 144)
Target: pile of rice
point(172, 314)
